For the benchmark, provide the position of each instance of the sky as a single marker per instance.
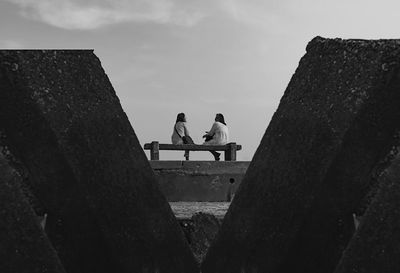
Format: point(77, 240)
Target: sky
point(200, 57)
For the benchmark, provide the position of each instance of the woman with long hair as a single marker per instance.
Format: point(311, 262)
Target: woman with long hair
point(180, 131)
point(218, 134)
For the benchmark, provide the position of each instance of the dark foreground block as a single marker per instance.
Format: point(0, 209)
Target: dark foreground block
point(375, 247)
point(24, 247)
point(200, 231)
point(63, 120)
point(334, 128)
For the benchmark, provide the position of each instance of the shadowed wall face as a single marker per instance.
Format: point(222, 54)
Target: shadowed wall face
point(375, 245)
point(24, 247)
point(337, 120)
point(63, 120)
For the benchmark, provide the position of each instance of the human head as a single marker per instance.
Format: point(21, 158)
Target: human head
point(181, 117)
point(220, 118)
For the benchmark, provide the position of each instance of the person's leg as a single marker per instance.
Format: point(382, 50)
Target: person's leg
point(216, 155)
point(187, 155)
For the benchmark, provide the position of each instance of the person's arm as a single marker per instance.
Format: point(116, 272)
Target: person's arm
point(213, 129)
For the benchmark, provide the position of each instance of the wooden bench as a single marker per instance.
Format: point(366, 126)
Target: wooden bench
point(229, 149)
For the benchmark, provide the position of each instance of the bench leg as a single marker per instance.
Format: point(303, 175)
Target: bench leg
point(230, 154)
point(155, 151)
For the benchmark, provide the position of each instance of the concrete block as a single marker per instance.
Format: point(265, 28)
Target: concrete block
point(24, 246)
point(200, 231)
point(62, 119)
point(335, 126)
point(375, 247)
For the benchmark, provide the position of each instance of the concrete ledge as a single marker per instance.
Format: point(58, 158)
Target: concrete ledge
point(199, 181)
point(204, 167)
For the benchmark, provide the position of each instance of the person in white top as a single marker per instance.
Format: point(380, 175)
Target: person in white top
point(179, 131)
point(218, 135)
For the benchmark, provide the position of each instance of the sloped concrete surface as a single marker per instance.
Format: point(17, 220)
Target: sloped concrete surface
point(62, 119)
point(375, 247)
point(333, 132)
point(24, 246)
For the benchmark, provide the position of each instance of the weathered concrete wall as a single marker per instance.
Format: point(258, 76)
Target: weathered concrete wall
point(199, 181)
point(336, 122)
point(24, 247)
point(62, 119)
point(375, 247)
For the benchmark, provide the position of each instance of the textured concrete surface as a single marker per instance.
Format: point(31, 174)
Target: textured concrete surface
point(24, 246)
point(200, 230)
point(62, 119)
point(332, 134)
point(199, 181)
point(375, 247)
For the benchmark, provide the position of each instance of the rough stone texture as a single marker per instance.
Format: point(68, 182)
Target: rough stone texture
point(62, 119)
point(200, 231)
point(26, 181)
point(198, 181)
point(336, 124)
point(24, 247)
point(375, 247)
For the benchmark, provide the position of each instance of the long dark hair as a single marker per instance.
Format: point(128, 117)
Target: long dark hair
point(220, 118)
point(181, 117)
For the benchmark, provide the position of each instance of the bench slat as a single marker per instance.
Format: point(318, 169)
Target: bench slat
point(192, 147)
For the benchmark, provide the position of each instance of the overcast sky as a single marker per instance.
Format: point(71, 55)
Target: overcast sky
point(200, 57)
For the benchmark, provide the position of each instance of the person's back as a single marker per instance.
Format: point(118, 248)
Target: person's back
point(219, 133)
point(178, 132)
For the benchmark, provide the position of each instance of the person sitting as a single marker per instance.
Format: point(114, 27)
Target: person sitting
point(218, 135)
point(180, 132)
